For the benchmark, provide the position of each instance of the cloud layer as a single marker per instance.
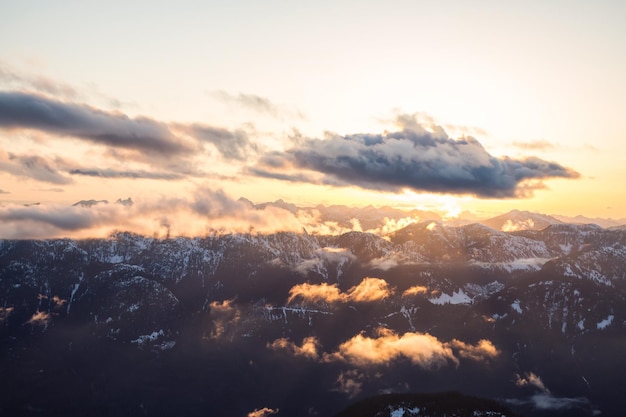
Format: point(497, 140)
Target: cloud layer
point(415, 158)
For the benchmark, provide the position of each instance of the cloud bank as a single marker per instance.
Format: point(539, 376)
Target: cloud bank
point(415, 158)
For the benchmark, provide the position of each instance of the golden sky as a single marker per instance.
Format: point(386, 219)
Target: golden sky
point(449, 106)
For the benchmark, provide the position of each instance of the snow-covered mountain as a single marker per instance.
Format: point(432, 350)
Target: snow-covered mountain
point(229, 324)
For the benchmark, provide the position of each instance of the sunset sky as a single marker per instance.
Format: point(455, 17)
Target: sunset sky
point(483, 106)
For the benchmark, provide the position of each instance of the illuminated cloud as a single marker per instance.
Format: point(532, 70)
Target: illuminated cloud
point(205, 211)
point(531, 380)
point(415, 290)
point(350, 383)
point(415, 158)
point(423, 350)
point(369, 289)
point(480, 352)
point(322, 256)
point(40, 318)
point(263, 412)
point(317, 292)
point(4, 313)
point(308, 349)
point(223, 313)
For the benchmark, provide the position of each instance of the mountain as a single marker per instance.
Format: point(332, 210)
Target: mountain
point(224, 325)
point(520, 220)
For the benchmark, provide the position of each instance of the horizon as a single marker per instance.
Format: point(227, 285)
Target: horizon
point(445, 108)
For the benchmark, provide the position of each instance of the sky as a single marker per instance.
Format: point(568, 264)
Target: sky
point(452, 106)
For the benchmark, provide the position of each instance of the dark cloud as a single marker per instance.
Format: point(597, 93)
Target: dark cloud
point(414, 158)
point(138, 174)
point(4, 192)
point(230, 144)
point(30, 111)
point(33, 166)
point(67, 219)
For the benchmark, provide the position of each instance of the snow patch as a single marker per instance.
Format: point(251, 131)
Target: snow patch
point(456, 298)
point(605, 323)
point(516, 306)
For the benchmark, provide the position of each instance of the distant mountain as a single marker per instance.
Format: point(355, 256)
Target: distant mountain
point(606, 223)
point(520, 220)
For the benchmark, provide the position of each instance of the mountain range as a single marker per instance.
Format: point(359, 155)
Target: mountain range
point(531, 316)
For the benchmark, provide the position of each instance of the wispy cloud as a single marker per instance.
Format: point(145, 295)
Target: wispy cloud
point(37, 82)
point(308, 349)
point(137, 174)
point(413, 157)
point(34, 166)
point(231, 144)
point(263, 412)
point(536, 145)
point(257, 103)
point(543, 399)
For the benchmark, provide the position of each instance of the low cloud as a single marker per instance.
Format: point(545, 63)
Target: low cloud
point(5, 312)
point(40, 318)
point(369, 289)
point(308, 349)
point(530, 379)
point(423, 350)
point(415, 158)
point(543, 399)
point(263, 412)
point(415, 290)
point(350, 383)
point(224, 314)
point(479, 352)
point(329, 293)
point(546, 401)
